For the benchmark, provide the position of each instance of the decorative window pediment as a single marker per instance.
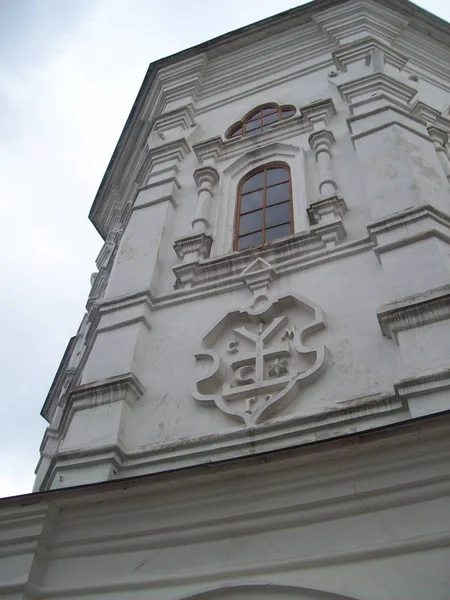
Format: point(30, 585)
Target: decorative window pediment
point(260, 118)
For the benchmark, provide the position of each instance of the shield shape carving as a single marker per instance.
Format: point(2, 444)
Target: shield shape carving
point(254, 361)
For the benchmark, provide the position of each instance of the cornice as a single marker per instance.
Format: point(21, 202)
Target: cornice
point(336, 420)
point(432, 431)
point(322, 243)
point(352, 19)
point(368, 50)
point(425, 383)
point(428, 58)
point(431, 116)
point(414, 311)
point(364, 88)
point(181, 119)
point(402, 218)
point(124, 388)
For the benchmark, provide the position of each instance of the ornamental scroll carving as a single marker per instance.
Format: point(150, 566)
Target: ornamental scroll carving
point(255, 360)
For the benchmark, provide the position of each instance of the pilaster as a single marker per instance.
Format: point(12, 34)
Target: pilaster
point(321, 142)
point(206, 178)
point(26, 532)
point(325, 215)
point(93, 425)
point(404, 166)
point(440, 140)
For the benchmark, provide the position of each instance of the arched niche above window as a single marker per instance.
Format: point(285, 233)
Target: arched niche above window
point(259, 119)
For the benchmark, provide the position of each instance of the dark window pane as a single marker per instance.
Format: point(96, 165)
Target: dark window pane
point(255, 239)
point(277, 193)
point(269, 110)
point(270, 119)
point(255, 115)
point(288, 112)
point(253, 183)
point(277, 232)
point(236, 132)
point(280, 213)
point(252, 201)
point(276, 175)
point(252, 125)
point(250, 222)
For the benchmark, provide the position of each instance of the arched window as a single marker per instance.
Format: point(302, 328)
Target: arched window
point(259, 118)
point(264, 206)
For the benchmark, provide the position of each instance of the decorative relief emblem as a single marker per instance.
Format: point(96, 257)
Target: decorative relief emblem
point(254, 361)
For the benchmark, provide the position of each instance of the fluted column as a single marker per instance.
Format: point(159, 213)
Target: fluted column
point(440, 139)
point(321, 142)
point(205, 179)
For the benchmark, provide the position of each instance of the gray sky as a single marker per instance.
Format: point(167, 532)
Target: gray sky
point(69, 73)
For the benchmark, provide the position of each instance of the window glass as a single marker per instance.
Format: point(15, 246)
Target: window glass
point(255, 239)
point(251, 222)
point(254, 183)
point(278, 214)
point(277, 175)
point(287, 112)
point(277, 193)
point(270, 119)
point(277, 232)
point(252, 125)
point(252, 201)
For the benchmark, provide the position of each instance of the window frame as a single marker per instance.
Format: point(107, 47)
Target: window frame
point(250, 117)
point(263, 168)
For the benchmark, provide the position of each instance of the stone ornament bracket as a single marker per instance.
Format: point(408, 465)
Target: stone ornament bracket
point(254, 360)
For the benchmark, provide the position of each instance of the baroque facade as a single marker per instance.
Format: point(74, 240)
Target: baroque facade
point(256, 402)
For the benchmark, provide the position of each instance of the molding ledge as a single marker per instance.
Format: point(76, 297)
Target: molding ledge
point(342, 419)
point(414, 311)
point(291, 250)
point(370, 51)
point(427, 393)
point(429, 382)
point(408, 226)
point(120, 388)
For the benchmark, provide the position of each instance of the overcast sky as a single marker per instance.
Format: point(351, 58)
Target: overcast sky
point(69, 73)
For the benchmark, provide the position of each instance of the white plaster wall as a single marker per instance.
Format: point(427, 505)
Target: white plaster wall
point(360, 361)
point(383, 162)
point(361, 519)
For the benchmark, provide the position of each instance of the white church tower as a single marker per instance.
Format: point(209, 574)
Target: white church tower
point(256, 404)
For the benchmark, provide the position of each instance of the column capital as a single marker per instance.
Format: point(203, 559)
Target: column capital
point(206, 177)
point(321, 140)
point(438, 135)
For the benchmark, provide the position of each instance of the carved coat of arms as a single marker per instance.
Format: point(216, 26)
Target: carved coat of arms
point(254, 361)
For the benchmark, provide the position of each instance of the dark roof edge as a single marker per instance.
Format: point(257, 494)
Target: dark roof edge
point(402, 5)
